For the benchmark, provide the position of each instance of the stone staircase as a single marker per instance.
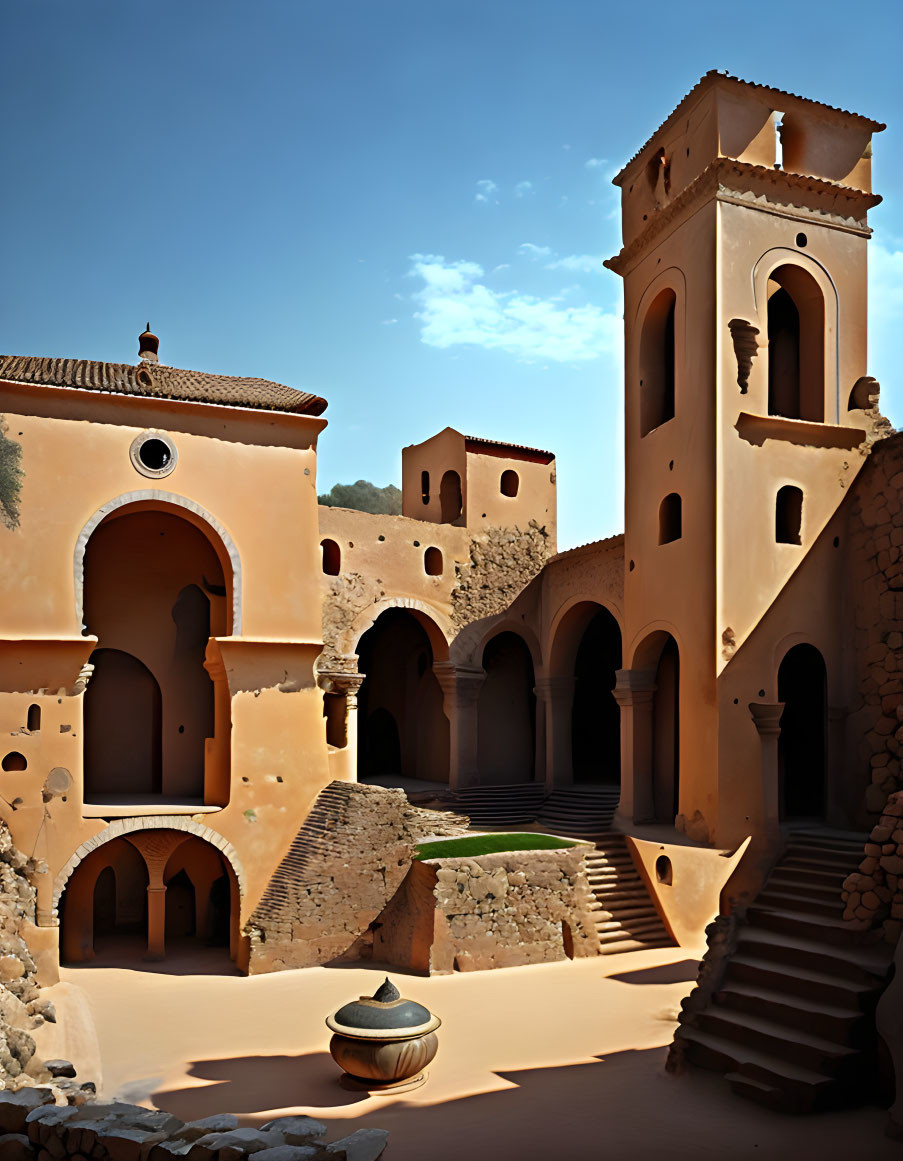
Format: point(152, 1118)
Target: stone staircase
point(627, 919)
point(512, 805)
point(791, 1025)
point(580, 811)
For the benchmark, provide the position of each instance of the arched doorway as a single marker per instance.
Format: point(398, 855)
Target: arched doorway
point(506, 733)
point(154, 594)
point(402, 729)
point(802, 743)
point(147, 895)
point(657, 796)
point(596, 716)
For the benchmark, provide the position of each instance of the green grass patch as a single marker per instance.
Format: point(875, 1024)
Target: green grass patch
point(489, 844)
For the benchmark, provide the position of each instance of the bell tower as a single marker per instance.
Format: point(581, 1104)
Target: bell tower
point(748, 414)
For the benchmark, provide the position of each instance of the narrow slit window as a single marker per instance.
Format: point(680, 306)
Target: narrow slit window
point(332, 557)
point(788, 514)
point(670, 519)
point(657, 359)
point(425, 487)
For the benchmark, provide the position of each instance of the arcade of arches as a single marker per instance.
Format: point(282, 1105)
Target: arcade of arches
point(153, 887)
point(155, 592)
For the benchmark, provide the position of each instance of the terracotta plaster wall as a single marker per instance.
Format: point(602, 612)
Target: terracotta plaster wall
point(671, 587)
point(536, 498)
point(256, 491)
point(754, 465)
point(441, 453)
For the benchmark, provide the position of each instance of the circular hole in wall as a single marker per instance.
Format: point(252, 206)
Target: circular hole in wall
point(736, 701)
point(14, 761)
point(761, 693)
point(663, 870)
point(153, 454)
point(416, 543)
point(801, 240)
point(380, 538)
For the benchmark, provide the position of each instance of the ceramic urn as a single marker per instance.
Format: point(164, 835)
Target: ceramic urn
point(383, 1042)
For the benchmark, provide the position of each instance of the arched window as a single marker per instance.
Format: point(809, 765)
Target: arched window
point(34, 719)
point(425, 487)
point(669, 519)
point(450, 498)
point(788, 515)
point(432, 562)
point(332, 557)
point(14, 761)
point(509, 483)
point(796, 345)
point(657, 363)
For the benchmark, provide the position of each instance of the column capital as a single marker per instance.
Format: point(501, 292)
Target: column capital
point(459, 682)
point(767, 717)
point(340, 681)
point(633, 686)
point(549, 689)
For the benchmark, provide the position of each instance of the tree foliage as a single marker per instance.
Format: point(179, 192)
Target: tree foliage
point(364, 497)
point(11, 475)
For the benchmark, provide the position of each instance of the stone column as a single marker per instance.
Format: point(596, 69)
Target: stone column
point(767, 717)
point(347, 684)
point(155, 847)
point(460, 696)
point(156, 922)
point(634, 692)
point(556, 694)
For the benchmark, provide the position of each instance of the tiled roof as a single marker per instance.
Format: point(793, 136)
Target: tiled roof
point(713, 76)
point(606, 542)
point(500, 445)
point(157, 381)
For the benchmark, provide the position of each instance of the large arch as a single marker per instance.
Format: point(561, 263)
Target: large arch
point(434, 623)
point(402, 729)
point(220, 540)
point(506, 733)
point(658, 654)
point(803, 740)
point(585, 655)
point(154, 592)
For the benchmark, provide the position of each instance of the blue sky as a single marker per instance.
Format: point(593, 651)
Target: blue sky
point(400, 205)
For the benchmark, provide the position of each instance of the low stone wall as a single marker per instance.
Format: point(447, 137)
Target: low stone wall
point(35, 1129)
point(344, 865)
point(490, 911)
point(873, 895)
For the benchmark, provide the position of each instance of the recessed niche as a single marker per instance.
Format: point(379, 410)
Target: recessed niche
point(14, 761)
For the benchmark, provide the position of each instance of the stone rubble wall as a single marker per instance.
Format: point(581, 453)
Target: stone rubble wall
point(873, 895)
point(490, 911)
point(32, 1128)
point(502, 563)
point(344, 865)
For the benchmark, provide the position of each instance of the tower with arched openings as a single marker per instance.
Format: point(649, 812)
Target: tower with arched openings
point(744, 265)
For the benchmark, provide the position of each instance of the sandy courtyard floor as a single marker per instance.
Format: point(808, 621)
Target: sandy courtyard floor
point(535, 1064)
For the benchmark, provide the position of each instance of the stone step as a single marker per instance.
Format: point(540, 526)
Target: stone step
point(795, 922)
point(776, 1039)
point(800, 886)
point(825, 866)
point(747, 968)
point(842, 1023)
point(859, 964)
point(619, 946)
point(829, 905)
point(629, 918)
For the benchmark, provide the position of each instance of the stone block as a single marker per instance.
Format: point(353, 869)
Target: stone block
point(16, 1147)
point(43, 1123)
point(298, 1130)
point(893, 864)
point(219, 1123)
point(15, 1107)
point(291, 1153)
point(364, 1145)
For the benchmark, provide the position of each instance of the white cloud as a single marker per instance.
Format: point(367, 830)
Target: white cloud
point(581, 263)
point(389, 322)
point(457, 308)
point(529, 250)
point(485, 189)
point(523, 188)
point(596, 162)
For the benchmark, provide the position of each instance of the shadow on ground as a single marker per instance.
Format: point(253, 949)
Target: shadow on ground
point(685, 971)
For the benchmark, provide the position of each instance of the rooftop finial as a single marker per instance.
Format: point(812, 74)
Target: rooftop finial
point(148, 346)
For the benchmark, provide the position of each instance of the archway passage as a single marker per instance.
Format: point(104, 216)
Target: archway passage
point(155, 593)
point(506, 734)
point(402, 729)
point(596, 716)
point(802, 743)
point(146, 896)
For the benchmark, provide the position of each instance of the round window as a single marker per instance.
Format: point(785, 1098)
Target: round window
point(153, 454)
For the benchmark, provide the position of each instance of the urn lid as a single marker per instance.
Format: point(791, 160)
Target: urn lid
point(384, 1015)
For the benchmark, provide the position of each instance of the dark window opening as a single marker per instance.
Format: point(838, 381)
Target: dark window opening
point(788, 517)
point(669, 519)
point(154, 454)
point(663, 870)
point(796, 337)
point(425, 487)
point(432, 562)
point(509, 483)
point(14, 761)
point(451, 500)
point(332, 557)
point(335, 712)
point(34, 719)
point(657, 359)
